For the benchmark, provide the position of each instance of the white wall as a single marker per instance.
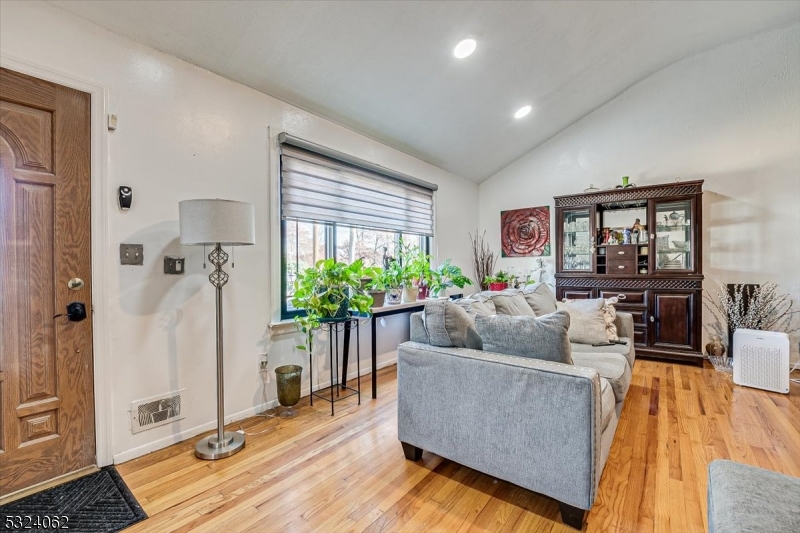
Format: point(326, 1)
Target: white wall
point(186, 133)
point(730, 116)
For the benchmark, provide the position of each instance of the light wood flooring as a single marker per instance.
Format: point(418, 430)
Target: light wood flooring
point(348, 473)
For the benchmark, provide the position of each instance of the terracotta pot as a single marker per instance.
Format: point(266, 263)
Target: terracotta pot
point(378, 298)
point(498, 286)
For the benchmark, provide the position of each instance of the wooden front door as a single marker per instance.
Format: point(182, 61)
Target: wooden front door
point(46, 368)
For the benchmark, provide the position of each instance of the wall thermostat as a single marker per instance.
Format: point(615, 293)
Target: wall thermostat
point(125, 197)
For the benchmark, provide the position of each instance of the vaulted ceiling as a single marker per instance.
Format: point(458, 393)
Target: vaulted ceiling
point(387, 70)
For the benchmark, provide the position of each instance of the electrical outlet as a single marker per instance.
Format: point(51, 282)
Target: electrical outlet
point(262, 362)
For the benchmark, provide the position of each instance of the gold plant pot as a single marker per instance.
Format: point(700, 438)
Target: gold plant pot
point(288, 378)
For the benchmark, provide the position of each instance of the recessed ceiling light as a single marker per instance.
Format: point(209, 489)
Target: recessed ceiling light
point(465, 47)
point(522, 111)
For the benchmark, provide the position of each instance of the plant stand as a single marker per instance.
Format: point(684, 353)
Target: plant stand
point(333, 327)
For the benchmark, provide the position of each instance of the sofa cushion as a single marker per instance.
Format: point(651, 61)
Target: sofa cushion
point(540, 298)
point(622, 349)
point(611, 317)
point(512, 305)
point(612, 366)
point(526, 336)
point(477, 307)
point(743, 498)
point(607, 401)
point(587, 320)
point(448, 324)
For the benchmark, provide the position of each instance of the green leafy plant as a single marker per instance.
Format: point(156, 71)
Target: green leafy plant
point(500, 277)
point(329, 290)
point(445, 276)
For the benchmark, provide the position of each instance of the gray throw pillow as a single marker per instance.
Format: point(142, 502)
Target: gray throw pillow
point(513, 305)
point(448, 324)
point(477, 307)
point(588, 320)
point(525, 336)
point(540, 298)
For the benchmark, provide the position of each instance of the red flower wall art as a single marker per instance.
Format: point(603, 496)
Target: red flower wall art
point(525, 232)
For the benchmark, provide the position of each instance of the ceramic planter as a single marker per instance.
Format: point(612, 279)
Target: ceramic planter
point(410, 294)
point(495, 286)
point(423, 293)
point(394, 296)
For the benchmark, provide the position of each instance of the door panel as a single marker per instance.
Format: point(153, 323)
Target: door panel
point(46, 381)
point(673, 315)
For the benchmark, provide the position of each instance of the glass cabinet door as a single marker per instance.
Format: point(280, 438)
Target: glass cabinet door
point(674, 239)
point(578, 240)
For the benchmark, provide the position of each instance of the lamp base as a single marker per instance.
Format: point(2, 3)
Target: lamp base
point(210, 448)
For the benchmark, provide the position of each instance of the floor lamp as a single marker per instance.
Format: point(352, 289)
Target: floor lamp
point(217, 223)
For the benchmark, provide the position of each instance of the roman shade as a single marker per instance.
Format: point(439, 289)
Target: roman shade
point(322, 185)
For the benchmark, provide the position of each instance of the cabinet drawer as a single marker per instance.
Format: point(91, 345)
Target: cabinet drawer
point(577, 294)
point(638, 313)
point(623, 251)
point(640, 337)
point(621, 266)
point(631, 297)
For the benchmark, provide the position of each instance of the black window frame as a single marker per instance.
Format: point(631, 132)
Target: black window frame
point(330, 251)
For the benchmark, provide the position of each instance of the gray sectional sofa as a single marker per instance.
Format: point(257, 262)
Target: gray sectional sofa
point(545, 426)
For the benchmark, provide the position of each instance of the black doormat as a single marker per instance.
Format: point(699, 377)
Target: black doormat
point(97, 503)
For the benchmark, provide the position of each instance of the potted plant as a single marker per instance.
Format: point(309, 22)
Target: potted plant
point(375, 285)
point(445, 276)
point(328, 291)
point(498, 282)
point(392, 279)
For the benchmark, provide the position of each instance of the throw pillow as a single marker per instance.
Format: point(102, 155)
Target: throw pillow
point(477, 307)
point(587, 320)
point(448, 324)
point(526, 336)
point(513, 305)
point(540, 298)
point(610, 312)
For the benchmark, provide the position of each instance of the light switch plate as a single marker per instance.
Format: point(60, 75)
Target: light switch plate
point(131, 254)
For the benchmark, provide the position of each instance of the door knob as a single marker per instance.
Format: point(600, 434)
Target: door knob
point(652, 318)
point(75, 284)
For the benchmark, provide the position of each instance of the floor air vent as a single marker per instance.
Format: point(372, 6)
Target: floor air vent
point(154, 412)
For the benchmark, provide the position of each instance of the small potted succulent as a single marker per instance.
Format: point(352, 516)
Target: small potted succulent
point(445, 276)
point(498, 282)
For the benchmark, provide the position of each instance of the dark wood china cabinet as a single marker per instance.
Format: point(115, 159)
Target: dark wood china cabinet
point(643, 243)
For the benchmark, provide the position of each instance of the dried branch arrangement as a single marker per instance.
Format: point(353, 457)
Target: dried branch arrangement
point(761, 308)
point(483, 259)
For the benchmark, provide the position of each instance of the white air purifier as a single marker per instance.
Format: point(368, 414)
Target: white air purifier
point(761, 360)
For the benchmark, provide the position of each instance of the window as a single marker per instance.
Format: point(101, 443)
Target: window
point(305, 243)
point(336, 206)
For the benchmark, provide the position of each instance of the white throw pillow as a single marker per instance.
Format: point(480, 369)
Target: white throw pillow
point(587, 321)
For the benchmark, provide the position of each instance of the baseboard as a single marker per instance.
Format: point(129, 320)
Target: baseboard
point(186, 434)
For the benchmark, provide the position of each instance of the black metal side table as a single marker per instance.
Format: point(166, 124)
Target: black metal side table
point(333, 327)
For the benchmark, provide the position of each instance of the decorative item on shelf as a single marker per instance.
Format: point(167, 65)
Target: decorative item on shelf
point(682, 246)
point(606, 235)
point(758, 307)
point(288, 379)
point(715, 346)
point(217, 223)
point(591, 188)
point(675, 219)
point(626, 236)
point(625, 183)
point(483, 259)
point(525, 232)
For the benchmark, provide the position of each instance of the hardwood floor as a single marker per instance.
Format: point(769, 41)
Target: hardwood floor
point(347, 473)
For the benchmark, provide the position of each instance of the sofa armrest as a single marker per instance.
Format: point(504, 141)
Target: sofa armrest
point(534, 423)
point(624, 323)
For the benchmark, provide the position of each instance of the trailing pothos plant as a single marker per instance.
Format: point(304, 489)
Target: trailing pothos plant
point(329, 290)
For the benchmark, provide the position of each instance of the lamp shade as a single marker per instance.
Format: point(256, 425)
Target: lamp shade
point(217, 221)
